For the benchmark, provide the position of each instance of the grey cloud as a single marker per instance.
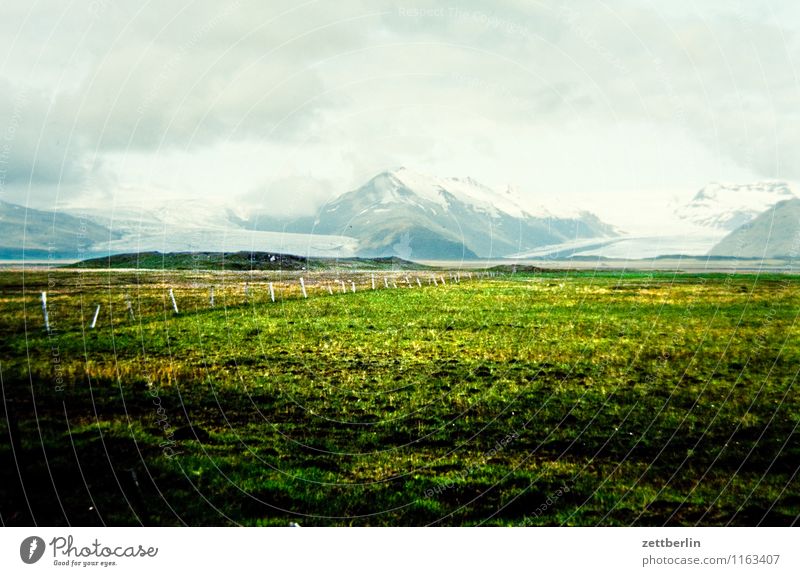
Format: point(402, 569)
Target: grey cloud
point(36, 144)
point(295, 195)
point(115, 76)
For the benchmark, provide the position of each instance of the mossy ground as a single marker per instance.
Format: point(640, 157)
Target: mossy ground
point(527, 399)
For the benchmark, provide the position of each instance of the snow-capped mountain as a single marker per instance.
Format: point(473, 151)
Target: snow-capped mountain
point(153, 215)
point(404, 213)
point(775, 233)
point(725, 207)
point(398, 212)
point(440, 191)
point(189, 224)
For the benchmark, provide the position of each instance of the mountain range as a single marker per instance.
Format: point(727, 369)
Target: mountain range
point(409, 215)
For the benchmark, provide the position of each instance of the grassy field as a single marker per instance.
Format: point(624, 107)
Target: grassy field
point(524, 399)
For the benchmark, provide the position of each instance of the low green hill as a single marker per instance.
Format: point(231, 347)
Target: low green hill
point(240, 261)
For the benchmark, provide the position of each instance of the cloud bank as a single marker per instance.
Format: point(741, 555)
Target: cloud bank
point(284, 104)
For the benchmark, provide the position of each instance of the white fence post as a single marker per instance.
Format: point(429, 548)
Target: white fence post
point(385, 282)
point(353, 285)
point(174, 304)
point(44, 312)
point(344, 290)
point(330, 290)
point(418, 282)
point(271, 292)
point(211, 296)
point(96, 313)
point(303, 287)
point(373, 281)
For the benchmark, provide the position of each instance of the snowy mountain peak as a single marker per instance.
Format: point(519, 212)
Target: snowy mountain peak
point(725, 207)
point(434, 217)
point(441, 190)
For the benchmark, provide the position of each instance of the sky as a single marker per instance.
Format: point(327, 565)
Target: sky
point(613, 106)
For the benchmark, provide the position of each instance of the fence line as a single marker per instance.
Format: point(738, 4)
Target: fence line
point(306, 290)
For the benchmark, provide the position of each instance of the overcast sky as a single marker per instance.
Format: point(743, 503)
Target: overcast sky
point(614, 106)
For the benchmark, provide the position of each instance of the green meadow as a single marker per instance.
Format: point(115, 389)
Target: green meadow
point(536, 398)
